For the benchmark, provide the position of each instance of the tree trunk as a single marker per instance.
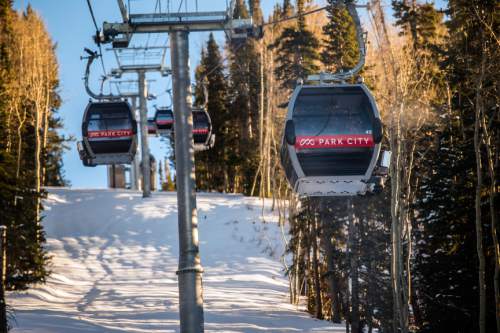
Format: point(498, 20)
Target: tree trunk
point(369, 297)
point(493, 218)
point(317, 283)
point(347, 306)
point(37, 171)
point(479, 185)
point(417, 313)
point(45, 124)
point(395, 233)
point(370, 274)
point(331, 276)
point(353, 259)
point(298, 255)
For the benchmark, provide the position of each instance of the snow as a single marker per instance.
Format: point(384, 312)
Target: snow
point(114, 258)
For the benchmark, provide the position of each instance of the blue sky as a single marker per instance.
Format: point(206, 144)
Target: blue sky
point(70, 26)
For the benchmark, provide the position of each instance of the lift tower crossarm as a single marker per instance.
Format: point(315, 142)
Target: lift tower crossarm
point(117, 72)
point(181, 21)
point(157, 26)
point(135, 68)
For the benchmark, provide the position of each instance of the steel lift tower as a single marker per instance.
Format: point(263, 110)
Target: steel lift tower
point(178, 25)
point(143, 96)
point(141, 70)
point(135, 174)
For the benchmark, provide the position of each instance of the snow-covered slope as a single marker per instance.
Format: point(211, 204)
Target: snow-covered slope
point(115, 257)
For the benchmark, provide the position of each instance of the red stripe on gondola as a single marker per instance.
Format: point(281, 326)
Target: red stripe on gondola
point(110, 133)
point(335, 141)
point(200, 131)
point(164, 122)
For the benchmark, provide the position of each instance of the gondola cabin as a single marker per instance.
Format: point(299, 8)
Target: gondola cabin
point(152, 130)
point(164, 119)
point(202, 130)
point(331, 140)
point(109, 132)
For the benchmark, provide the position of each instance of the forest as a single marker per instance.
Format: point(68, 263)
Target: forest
point(422, 256)
point(30, 147)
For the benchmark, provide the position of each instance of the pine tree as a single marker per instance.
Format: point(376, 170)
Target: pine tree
point(297, 52)
point(202, 164)
point(160, 176)
point(256, 11)
point(53, 153)
point(423, 24)
point(30, 147)
point(287, 9)
point(455, 207)
point(244, 96)
point(241, 10)
point(444, 272)
point(210, 79)
point(6, 68)
point(340, 46)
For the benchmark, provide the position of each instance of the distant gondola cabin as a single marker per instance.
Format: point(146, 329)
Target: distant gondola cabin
point(164, 119)
point(109, 132)
point(202, 130)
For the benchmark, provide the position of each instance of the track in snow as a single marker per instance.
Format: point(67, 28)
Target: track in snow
point(115, 257)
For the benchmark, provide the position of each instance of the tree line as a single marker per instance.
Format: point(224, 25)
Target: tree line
point(423, 256)
point(30, 146)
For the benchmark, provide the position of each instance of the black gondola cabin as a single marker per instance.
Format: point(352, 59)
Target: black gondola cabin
point(109, 132)
point(202, 130)
point(331, 140)
point(152, 130)
point(164, 119)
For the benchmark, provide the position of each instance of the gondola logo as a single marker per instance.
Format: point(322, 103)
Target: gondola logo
point(164, 122)
point(110, 133)
point(200, 131)
point(335, 141)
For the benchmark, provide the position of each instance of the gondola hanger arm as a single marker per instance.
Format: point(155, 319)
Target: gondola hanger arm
point(342, 76)
point(92, 55)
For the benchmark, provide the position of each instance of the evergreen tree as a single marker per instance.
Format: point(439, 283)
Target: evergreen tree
point(446, 265)
point(340, 46)
point(30, 147)
point(202, 166)
point(241, 10)
point(287, 8)
point(210, 80)
point(297, 52)
point(56, 146)
point(160, 176)
point(166, 182)
point(6, 67)
point(244, 97)
point(445, 281)
point(423, 23)
point(256, 12)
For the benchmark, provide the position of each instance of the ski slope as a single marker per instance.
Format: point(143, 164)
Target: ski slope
point(115, 258)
